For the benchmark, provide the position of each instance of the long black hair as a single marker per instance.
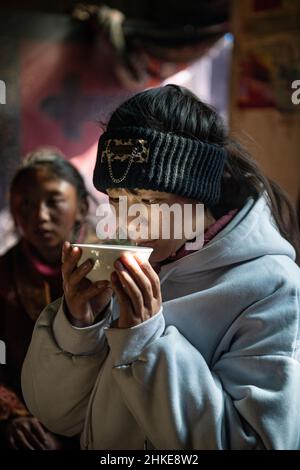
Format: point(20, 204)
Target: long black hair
point(176, 109)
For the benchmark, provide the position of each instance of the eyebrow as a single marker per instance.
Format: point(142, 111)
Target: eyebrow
point(54, 192)
point(139, 192)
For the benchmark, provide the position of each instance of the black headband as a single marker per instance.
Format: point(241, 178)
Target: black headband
point(136, 157)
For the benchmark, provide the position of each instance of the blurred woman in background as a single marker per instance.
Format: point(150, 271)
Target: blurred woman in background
point(49, 204)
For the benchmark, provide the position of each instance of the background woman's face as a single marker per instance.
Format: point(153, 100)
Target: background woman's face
point(45, 209)
point(162, 248)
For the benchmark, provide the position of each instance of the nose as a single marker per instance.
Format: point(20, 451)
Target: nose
point(138, 228)
point(43, 212)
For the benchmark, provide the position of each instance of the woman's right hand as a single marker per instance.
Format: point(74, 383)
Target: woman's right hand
point(84, 300)
point(28, 433)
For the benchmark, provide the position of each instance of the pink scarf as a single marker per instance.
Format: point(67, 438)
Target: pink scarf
point(210, 233)
point(46, 270)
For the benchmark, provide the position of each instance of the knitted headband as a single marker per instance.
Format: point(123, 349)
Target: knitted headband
point(136, 157)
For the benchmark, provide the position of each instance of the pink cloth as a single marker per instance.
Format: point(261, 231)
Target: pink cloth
point(210, 233)
point(215, 228)
point(41, 267)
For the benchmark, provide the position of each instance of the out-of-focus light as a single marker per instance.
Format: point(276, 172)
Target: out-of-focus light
point(180, 78)
point(228, 37)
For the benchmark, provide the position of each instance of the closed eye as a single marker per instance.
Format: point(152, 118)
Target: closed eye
point(114, 200)
point(151, 201)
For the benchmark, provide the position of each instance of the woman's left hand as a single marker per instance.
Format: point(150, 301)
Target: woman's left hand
point(137, 288)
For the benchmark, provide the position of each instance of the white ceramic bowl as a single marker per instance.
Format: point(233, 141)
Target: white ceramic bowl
point(104, 257)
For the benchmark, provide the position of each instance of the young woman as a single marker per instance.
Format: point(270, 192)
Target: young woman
point(49, 203)
point(204, 354)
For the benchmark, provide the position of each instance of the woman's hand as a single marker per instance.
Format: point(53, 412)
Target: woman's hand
point(137, 288)
point(28, 433)
point(85, 300)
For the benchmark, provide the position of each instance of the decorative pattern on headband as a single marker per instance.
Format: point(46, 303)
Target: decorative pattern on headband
point(122, 149)
point(133, 150)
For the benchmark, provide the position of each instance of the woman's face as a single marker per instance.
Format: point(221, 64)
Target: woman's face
point(162, 247)
point(45, 210)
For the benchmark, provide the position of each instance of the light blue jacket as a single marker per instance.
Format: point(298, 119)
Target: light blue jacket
point(217, 368)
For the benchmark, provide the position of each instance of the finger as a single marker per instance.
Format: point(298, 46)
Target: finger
point(80, 273)
point(39, 431)
point(33, 440)
point(132, 290)
point(12, 442)
point(21, 440)
point(122, 298)
point(95, 289)
point(151, 275)
point(71, 258)
point(65, 250)
point(139, 278)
